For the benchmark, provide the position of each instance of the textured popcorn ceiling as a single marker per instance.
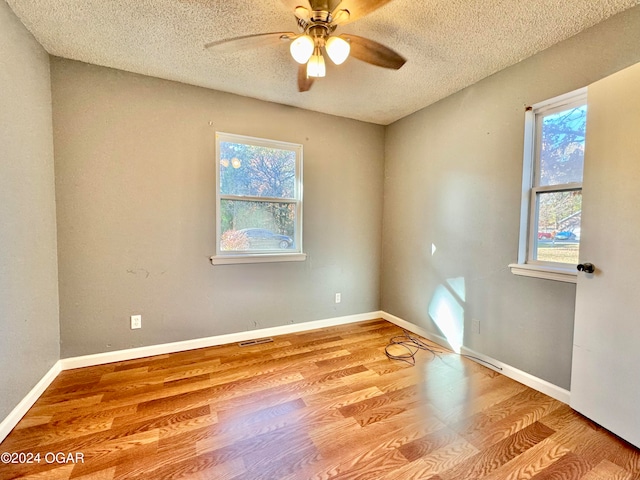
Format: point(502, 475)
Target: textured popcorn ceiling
point(449, 44)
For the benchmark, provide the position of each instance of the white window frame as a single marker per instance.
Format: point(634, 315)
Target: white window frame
point(526, 265)
point(225, 257)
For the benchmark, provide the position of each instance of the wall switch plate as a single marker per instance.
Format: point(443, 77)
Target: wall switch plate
point(475, 325)
point(136, 321)
point(338, 297)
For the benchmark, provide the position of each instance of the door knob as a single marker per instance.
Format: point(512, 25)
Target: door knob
point(586, 267)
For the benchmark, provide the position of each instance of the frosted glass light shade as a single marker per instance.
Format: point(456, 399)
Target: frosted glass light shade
point(302, 49)
point(338, 49)
point(316, 66)
point(341, 17)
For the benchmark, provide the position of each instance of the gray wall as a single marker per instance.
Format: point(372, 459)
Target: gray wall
point(453, 176)
point(28, 266)
point(135, 189)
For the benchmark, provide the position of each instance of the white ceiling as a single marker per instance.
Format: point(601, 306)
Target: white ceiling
point(449, 44)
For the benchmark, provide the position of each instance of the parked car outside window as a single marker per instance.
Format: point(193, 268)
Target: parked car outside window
point(566, 235)
point(261, 237)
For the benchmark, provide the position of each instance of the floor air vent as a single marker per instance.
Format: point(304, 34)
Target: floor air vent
point(257, 341)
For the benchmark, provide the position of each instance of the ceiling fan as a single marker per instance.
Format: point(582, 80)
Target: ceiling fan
point(317, 21)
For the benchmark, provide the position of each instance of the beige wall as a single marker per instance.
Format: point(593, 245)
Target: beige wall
point(453, 175)
point(135, 189)
point(28, 267)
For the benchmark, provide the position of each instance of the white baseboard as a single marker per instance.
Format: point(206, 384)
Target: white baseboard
point(141, 352)
point(518, 375)
point(27, 402)
point(416, 329)
point(523, 377)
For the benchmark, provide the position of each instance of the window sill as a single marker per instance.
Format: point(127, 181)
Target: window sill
point(559, 274)
point(258, 258)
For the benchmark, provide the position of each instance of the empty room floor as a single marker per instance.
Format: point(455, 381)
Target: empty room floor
point(319, 404)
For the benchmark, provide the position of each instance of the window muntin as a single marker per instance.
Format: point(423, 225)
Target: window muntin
point(259, 197)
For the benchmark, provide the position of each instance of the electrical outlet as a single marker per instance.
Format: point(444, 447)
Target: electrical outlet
point(136, 321)
point(338, 297)
point(475, 325)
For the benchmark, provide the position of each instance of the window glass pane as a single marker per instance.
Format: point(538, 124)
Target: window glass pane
point(558, 229)
point(562, 146)
point(247, 226)
point(257, 171)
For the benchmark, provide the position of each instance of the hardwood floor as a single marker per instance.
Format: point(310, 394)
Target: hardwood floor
point(321, 404)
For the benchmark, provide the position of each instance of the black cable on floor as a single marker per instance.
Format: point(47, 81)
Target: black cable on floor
point(413, 345)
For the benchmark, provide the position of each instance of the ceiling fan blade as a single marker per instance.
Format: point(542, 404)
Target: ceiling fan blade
point(304, 82)
point(373, 52)
point(250, 41)
point(357, 9)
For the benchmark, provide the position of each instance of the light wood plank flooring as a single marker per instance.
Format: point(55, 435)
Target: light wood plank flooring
point(315, 405)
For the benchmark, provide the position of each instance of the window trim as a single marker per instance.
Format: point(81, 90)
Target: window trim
point(257, 256)
point(525, 266)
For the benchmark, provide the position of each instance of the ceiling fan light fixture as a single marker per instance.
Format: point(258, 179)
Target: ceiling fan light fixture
point(316, 67)
point(338, 49)
point(302, 48)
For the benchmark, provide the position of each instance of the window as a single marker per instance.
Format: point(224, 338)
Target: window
point(258, 200)
point(552, 187)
